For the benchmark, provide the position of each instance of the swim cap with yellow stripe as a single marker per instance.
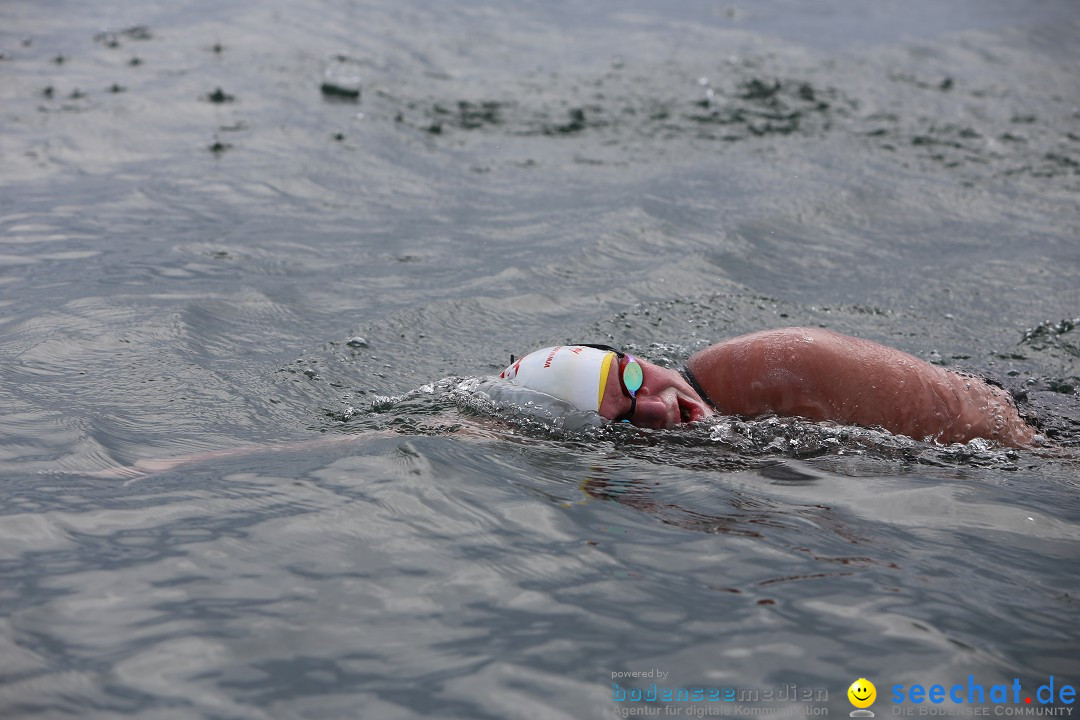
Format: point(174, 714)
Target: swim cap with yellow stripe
point(573, 373)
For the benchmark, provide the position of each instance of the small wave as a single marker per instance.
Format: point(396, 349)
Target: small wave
point(523, 407)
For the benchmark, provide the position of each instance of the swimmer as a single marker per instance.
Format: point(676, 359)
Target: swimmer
point(792, 372)
point(812, 373)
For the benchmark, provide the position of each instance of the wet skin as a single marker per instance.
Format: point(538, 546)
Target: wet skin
point(824, 375)
point(665, 399)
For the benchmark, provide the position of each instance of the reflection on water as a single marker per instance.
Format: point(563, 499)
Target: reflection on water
point(292, 243)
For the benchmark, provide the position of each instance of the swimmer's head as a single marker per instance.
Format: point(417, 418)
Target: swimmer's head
point(573, 373)
point(615, 385)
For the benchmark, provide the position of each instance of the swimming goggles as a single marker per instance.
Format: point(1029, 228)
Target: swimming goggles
point(630, 377)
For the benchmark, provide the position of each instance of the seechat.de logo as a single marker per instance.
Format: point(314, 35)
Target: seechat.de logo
point(1008, 698)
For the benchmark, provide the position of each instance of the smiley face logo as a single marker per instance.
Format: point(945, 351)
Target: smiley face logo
point(862, 693)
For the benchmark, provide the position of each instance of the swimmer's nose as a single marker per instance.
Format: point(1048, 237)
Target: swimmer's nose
point(653, 411)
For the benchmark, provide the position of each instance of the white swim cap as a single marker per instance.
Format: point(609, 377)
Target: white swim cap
point(572, 373)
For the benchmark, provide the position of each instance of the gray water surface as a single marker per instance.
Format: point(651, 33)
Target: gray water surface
point(289, 240)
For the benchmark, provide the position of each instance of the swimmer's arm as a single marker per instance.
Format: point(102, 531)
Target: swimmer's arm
point(153, 466)
point(824, 375)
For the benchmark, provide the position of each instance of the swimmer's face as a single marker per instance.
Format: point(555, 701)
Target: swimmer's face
point(664, 400)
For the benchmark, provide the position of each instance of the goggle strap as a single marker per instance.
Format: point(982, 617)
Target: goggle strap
point(608, 348)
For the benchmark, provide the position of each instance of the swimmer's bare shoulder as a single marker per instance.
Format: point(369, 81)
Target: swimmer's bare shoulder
point(824, 375)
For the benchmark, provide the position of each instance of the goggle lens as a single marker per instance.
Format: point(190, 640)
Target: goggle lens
point(631, 374)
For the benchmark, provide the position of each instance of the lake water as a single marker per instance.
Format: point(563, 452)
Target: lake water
point(292, 239)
